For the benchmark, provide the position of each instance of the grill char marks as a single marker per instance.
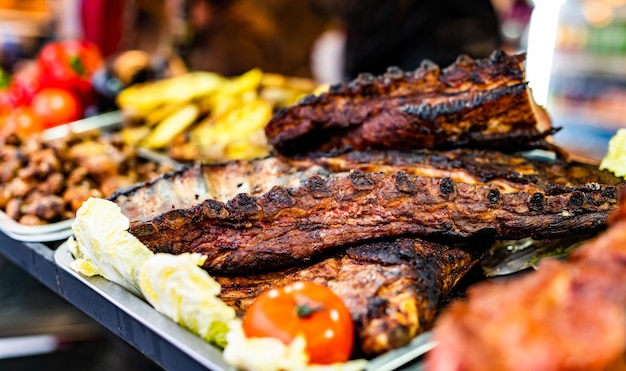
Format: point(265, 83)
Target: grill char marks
point(477, 166)
point(392, 288)
point(283, 225)
point(472, 103)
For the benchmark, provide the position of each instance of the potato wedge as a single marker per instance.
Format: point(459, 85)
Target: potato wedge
point(141, 99)
point(300, 84)
point(171, 126)
point(158, 114)
point(241, 84)
point(134, 135)
point(253, 146)
point(234, 124)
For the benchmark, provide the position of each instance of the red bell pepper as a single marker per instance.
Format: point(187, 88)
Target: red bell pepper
point(69, 64)
point(5, 99)
point(22, 86)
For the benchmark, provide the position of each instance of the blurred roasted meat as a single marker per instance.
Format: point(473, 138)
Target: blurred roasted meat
point(482, 103)
point(565, 316)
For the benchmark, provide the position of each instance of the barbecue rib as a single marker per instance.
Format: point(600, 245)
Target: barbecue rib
point(392, 289)
point(482, 103)
point(277, 212)
point(565, 316)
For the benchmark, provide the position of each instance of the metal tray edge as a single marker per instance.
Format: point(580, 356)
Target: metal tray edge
point(203, 352)
point(7, 224)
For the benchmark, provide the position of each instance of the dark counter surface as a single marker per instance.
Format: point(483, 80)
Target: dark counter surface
point(33, 285)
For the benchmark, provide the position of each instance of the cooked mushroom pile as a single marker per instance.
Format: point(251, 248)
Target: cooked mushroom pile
point(44, 182)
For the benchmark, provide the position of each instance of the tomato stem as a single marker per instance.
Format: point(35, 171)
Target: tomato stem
point(5, 79)
point(77, 65)
point(305, 310)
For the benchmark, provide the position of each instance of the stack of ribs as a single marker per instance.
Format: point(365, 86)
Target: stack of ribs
point(387, 189)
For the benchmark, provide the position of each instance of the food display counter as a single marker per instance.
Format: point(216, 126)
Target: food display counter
point(380, 222)
point(160, 339)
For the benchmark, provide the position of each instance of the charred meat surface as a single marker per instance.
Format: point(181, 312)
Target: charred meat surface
point(565, 316)
point(276, 212)
point(482, 103)
point(392, 288)
point(541, 171)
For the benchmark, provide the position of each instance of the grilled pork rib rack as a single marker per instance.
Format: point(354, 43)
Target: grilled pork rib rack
point(392, 288)
point(278, 212)
point(483, 103)
point(356, 222)
point(367, 197)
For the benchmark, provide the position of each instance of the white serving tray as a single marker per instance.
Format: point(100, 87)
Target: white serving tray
point(206, 354)
point(35, 233)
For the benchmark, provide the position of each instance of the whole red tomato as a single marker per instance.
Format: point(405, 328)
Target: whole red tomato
point(305, 308)
point(55, 106)
point(69, 64)
point(21, 121)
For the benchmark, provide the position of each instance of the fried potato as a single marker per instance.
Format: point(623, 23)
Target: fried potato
point(160, 113)
point(248, 82)
point(252, 146)
point(134, 135)
point(171, 126)
point(142, 99)
point(221, 118)
point(284, 91)
point(236, 134)
point(234, 124)
point(274, 80)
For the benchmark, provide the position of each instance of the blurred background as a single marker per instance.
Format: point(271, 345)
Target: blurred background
point(576, 52)
point(575, 58)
